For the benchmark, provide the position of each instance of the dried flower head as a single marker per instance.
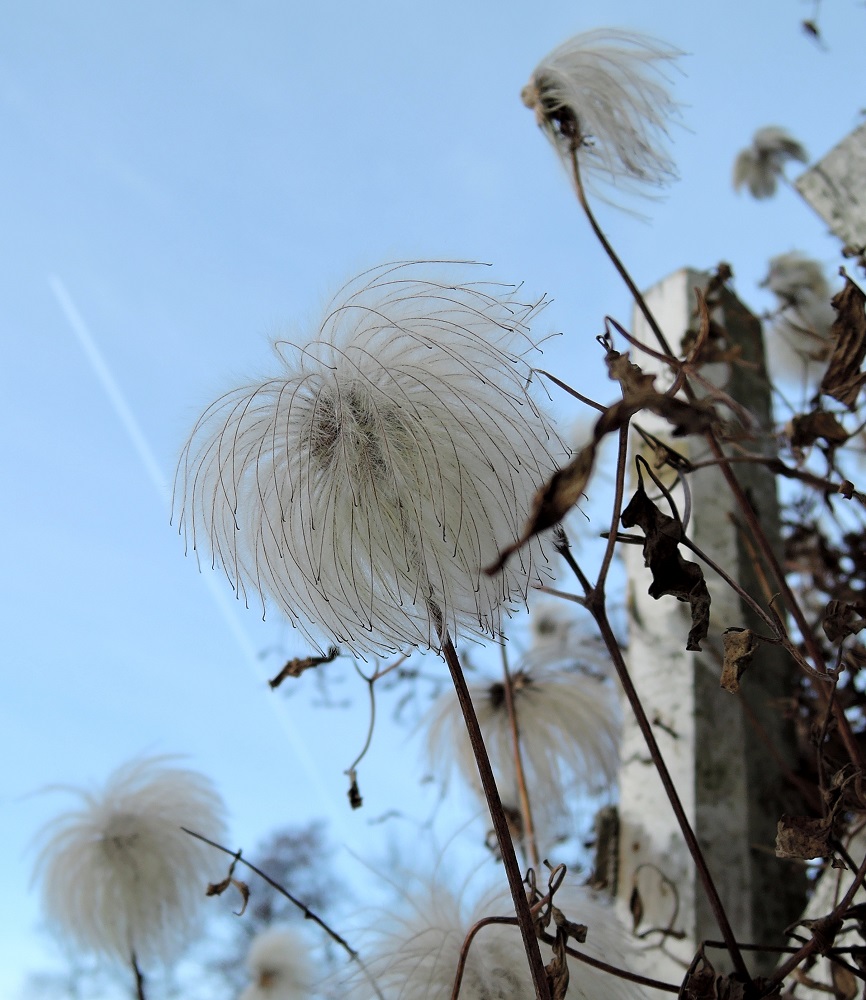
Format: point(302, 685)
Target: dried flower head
point(119, 875)
point(569, 735)
point(604, 94)
point(799, 340)
point(413, 953)
point(759, 166)
point(280, 966)
point(364, 487)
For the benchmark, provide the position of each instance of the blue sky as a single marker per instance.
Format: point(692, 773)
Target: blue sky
point(182, 181)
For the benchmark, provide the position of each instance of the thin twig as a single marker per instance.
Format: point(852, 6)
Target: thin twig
point(497, 813)
point(596, 607)
point(139, 978)
point(571, 391)
point(817, 939)
point(350, 770)
point(619, 493)
point(308, 913)
point(733, 483)
point(529, 840)
point(617, 263)
point(467, 942)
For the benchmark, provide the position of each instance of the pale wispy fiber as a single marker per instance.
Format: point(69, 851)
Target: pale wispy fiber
point(413, 952)
point(118, 874)
point(759, 166)
point(606, 92)
point(569, 724)
point(280, 966)
point(798, 343)
point(559, 638)
point(392, 455)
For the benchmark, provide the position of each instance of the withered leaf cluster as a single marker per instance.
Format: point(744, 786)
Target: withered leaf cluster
point(702, 982)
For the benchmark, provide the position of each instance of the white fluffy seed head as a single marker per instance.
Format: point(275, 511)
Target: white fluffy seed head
point(798, 340)
point(279, 965)
point(119, 876)
point(569, 726)
point(413, 953)
point(365, 487)
point(606, 90)
point(759, 166)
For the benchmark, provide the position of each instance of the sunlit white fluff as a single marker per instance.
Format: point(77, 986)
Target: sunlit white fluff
point(759, 166)
point(798, 340)
point(280, 966)
point(391, 456)
point(413, 952)
point(606, 91)
point(569, 726)
point(119, 876)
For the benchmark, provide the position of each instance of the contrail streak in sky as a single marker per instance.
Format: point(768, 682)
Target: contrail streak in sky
point(217, 592)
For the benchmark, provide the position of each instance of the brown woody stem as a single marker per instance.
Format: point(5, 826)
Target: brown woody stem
point(497, 815)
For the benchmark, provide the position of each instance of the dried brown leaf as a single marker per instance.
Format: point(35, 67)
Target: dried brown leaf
point(740, 645)
point(803, 837)
point(841, 620)
point(845, 986)
point(806, 428)
point(553, 501)
point(218, 888)
point(700, 983)
point(355, 798)
point(294, 668)
point(672, 575)
point(575, 931)
point(633, 379)
point(557, 967)
point(566, 486)
point(844, 378)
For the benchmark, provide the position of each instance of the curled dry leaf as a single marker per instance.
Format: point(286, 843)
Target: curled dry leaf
point(844, 378)
point(842, 619)
point(218, 888)
point(294, 668)
point(740, 645)
point(557, 967)
point(806, 428)
point(672, 575)
point(572, 929)
point(355, 798)
point(804, 837)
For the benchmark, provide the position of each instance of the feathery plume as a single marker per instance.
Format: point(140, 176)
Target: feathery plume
point(569, 735)
point(799, 340)
point(604, 92)
point(759, 166)
point(119, 876)
point(413, 953)
point(279, 965)
point(366, 484)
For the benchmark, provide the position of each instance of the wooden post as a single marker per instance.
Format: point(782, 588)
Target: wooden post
point(728, 753)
